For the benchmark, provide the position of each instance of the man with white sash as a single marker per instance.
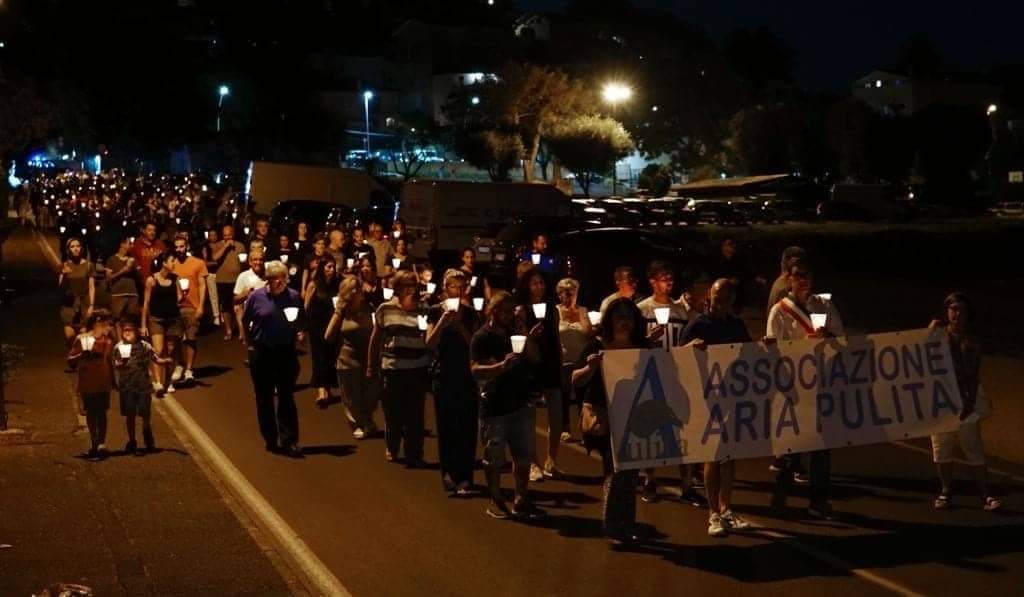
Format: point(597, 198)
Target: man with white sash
point(795, 317)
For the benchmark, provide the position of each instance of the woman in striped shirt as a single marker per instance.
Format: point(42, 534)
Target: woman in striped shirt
point(398, 349)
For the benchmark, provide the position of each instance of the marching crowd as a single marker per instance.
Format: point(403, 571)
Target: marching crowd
point(382, 332)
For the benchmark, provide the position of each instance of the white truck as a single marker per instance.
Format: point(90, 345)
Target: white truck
point(442, 217)
point(268, 183)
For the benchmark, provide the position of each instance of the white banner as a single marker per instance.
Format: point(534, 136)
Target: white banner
point(751, 400)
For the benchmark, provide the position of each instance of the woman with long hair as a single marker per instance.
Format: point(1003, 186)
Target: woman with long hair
point(311, 260)
point(77, 280)
point(161, 315)
point(622, 327)
point(531, 295)
point(478, 287)
point(353, 322)
point(958, 326)
point(319, 304)
point(373, 289)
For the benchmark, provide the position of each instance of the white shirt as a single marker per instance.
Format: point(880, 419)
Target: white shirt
point(248, 280)
point(783, 326)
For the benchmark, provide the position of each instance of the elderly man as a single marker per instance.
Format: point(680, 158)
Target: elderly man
point(273, 320)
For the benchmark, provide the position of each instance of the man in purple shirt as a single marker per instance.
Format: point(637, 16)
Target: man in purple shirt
point(274, 320)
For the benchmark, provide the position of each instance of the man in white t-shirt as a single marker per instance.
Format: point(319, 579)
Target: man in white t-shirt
point(251, 279)
point(791, 319)
point(661, 277)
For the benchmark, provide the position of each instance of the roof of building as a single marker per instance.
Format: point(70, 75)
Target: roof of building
point(736, 182)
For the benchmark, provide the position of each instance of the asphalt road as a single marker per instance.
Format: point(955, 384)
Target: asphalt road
point(384, 530)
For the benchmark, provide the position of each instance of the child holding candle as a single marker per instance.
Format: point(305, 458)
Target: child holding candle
point(91, 352)
point(132, 359)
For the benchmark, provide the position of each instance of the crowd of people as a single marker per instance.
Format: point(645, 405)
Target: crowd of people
point(382, 332)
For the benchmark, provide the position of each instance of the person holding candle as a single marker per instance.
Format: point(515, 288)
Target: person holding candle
point(535, 307)
point(212, 236)
point(456, 399)
point(353, 321)
point(302, 241)
point(133, 358)
point(429, 293)
point(78, 283)
point(372, 288)
point(161, 314)
point(92, 355)
point(191, 272)
point(574, 331)
point(719, 326)
point(625, 287)
point(380, 246)
point(124, 295)
point(479, 287)
point(621, 328)
point(538, 255)
point(398, 350)
point(320, 250)
point(319, 307)
point(502, 372)
point(228, 266)
point(791, 319)
point(274, 320)
point(966, 354)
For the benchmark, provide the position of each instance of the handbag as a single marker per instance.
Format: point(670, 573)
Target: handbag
point(593, 420)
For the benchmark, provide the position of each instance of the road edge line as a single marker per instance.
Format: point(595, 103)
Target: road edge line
point(316, 572)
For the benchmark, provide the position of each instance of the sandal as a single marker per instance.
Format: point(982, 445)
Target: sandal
point(991, 504)
point(942, 502)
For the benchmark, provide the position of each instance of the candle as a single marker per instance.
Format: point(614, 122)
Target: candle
point(661, 315)
point(350, 263)
point(291, 313)
point(396, 262)
point(183, 282)
point(818, 320)
point(125, 350)
point(540, 310)
point(242, 257)
point(472, 281)
point(246, 230)
point(451, 304)
point(334, 300)
point(294, 270)
point(431, 287)
point(518, 344)
point(421, 322)
point(535, 258)
point(388, 293)
point(284, 258)
point(826, 296)
point(478, 303)
point(595, 317)
point(88, 341)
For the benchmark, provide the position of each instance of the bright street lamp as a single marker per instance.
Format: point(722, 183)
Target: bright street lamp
point(367, 96)
point(222, 92)
point(992, 109)
point(615, 93)
point(475, 100)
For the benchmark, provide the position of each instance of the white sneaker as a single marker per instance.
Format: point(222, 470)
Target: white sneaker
point(359, 434)
point(715, 526)
point(535, 473)
point(189, 377)
point(158, 387)
point(170, 388)
point(730, 520)
point(176, 376)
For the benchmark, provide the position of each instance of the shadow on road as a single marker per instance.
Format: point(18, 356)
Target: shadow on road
point(339, 450)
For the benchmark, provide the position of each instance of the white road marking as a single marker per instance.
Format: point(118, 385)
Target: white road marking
point(320, 577)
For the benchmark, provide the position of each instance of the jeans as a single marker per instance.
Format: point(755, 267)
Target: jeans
point(274, 369)
point(402, 397)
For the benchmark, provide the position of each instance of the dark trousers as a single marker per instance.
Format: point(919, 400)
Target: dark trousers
point(402, 399)
point(96, 407)
point(456, 408)
point(274, 370)
point(619, 508)
point(820, 472)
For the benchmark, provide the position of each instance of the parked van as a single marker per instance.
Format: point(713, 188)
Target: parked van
point(442, 217)
point(269, 183)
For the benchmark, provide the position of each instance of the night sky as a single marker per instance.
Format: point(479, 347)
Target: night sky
point(837, 42)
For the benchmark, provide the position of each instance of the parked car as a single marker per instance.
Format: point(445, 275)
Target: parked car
point(783, 210)
point(499, 245)
point(1008, 209)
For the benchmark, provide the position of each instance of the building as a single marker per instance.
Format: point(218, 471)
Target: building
point(892, 93)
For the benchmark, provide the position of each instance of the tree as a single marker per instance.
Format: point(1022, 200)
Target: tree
point(496, 151)
point(656, 178)
point(416, 133)
point(589, 145)
point(533, 100)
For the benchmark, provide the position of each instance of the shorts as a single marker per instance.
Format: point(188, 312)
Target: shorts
point(190, 323)
point(124, 307)
point(73, 314)
point(514, 430)
point(226, 296)
point(969, 436)
point(164, 327)
point(136, 403)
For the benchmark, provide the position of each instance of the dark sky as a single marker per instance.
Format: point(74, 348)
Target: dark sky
point(839, 41)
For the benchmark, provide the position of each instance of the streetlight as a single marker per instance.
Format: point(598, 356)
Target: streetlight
point(475, 100)
point(992, 109)
point(222, 92)
point(367, 96)
point(615, 93)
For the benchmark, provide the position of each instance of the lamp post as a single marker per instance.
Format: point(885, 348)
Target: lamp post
point(614, 93)
point(367, 96)
point(222, 92)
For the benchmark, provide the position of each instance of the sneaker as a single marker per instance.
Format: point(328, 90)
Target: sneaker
point(693, 498)
point(189, 376)
point(158, 387)
point(498, 510)
point(802, 478)
point(715, 526)
point(535, 473)
point(170, 388)
point(565, 438)
point(733, 522)
point(358, 433)
point(526, 509)
point(463, 489)
point(777, 465)
point(176, 375)
point(553, 472)
point(822, 511)
point(649, 493)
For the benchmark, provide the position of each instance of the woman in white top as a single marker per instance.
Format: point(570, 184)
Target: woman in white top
point(574, 329)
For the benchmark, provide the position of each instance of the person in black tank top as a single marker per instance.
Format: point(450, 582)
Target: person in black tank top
point(160, 313)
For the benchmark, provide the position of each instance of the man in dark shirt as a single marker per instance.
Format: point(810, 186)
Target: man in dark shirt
point(505, 412)
point(273, 361)
point(719, 326)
